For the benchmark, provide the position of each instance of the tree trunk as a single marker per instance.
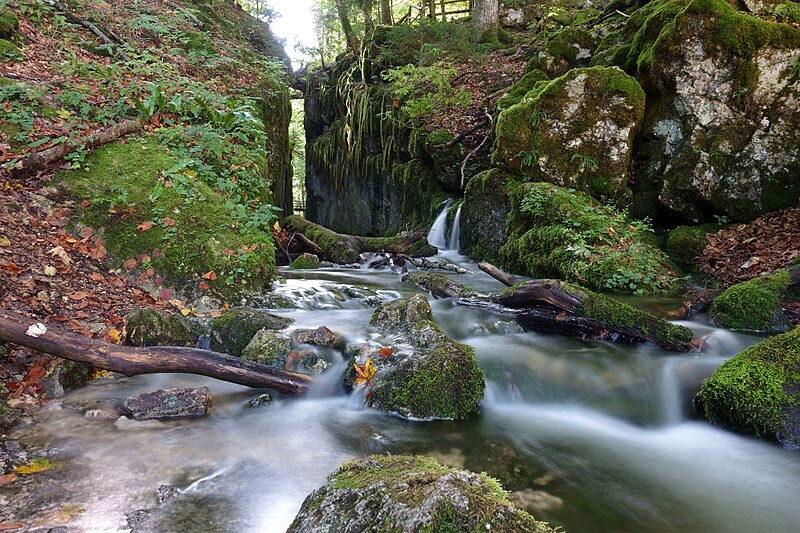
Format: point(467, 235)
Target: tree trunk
point(369, 25)
point(130, 361)
point(347, 29)
point(386, 12)
point(485, 20)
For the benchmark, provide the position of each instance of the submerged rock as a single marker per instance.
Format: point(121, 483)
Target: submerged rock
point(404, 493)
point(233, 330)
point(168, 403)
point(754, 305)
point(260, 401)
point(441, 379)
point(153, 327)
point(686, 243)
point(757, 392)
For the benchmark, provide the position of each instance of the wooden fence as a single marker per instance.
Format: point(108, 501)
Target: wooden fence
point(414, 10)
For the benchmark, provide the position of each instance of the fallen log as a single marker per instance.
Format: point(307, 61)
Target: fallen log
point(503, 277)
point(342, 248)
point(131, 361)
point(425, 264)
point(43, 158)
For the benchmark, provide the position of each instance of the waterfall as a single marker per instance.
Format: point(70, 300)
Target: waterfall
point(453, 242)
point(437, 236)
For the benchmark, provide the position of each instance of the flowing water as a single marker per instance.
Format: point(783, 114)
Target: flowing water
point(593, 436)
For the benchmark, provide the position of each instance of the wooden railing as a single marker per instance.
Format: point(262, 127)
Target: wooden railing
point(415, 10)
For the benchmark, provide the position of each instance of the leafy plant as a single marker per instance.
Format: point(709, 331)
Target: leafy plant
point(537, 117)
point(426, 89)
point(586, 162)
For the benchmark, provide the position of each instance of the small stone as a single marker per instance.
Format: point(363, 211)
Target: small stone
point(536, 501)
point(321, 336)
point(168, 403)
point(260, 400)
point(50, 270)
point(103, 414)
point(166, 493)
point(42, 296)
point(138, 517)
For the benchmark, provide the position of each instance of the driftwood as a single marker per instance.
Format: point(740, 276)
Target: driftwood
point(131, 361)
point(342, 248)
point(435, 265)
point(501, 276)
point(44, 158)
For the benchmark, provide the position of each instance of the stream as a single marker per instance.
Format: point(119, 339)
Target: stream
point(593, 436)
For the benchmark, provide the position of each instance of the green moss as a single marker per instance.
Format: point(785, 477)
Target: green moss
point(517, 91)
point(197, 41)
point(332, 244)
point(753, 305)
point(9, 51)
point(438, 284)
point(686, 243)
point(233, 330)
point(557, 233)
point(752, 392)
point(152, 327)
point(9, 23)
point(561, 53)
point(121, 180)
point(305, 261)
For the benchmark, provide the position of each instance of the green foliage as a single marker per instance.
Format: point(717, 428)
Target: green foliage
point(9, 52)
point(585, 162)
point(750, 393)
point(788, 12)
point(562, 233)
point(9, 23)
point(426, 90)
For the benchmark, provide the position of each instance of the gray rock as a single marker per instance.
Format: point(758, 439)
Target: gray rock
point(403, 493)
point(268, 347)
point(166, 493)
point(232, 331)
point(168, 403)
point(11, 454)
point(260, 400)
point(153, 327)
point(321, 336)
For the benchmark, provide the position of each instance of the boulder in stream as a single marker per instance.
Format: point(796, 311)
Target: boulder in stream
point(322, 336)
point(268, 347)
point(440, 379)
point(233, 330)
point(754, 305)
point(757, 392)
point(407, 493)
point(153, 327)
point(168, 403)
point(305, 261)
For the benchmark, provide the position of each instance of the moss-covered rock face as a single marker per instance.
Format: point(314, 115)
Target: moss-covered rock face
point(517, 92)
point(439, 380)
point(268, 347)
point(152, 327)
point(757, 392)
point(686, 243)
point(9, 23)
point(405, 493)
point(557, 233)
point(484, 212)
point(571, 48)
point(8, 51)
point(721, 135)
point(754, 305)
point(183, 241)
point(305, 261)
point(233, 330)
point(576, 131)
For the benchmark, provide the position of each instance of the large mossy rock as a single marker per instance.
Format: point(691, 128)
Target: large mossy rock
point(484, 212)
point(440, 379)
point(722, 134)
point(153, 327)
point(559, 233)
point(757, 392)
point(233, 330)
point(576, 131)
point(268, 347)
point(754, 305)
point(571, 48)
point(686, 243)
point(9, 23)
point(413, 494)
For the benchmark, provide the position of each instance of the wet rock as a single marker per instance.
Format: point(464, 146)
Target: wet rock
point(268, 347)
point(441, 379)
point(11, 454)
point(166, 493)
point(484, 212)
point(232, 331)
point(501, 461)
point(65, 376)
point(438, 285)
point(168, 403)
point(305, 261)
point(757, 392)
point(321, 336)
point(153, 327)
point(316, 364)
point(754, 305)
point(404, 493)
point(536, 501)
point(8, 416)
point(138, 517)
point(101, 414)
point(261, 400)
point(124, 423)
point(576, 131)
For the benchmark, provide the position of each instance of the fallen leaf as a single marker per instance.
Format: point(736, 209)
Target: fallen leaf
point(385, 352)
point(210, 275)
point(98, 277)
point(86, 203)
point(99, 252)
point(203, 286)
point(4, 241)
point(78, 295)
point(169, 222)
point(11, 526)
point(115, 336)
point(40, 464)
point(62, 254)
point(86, 232)
point(144, 226)
point(364, 372)
point(5, 480)
point(130, 264)
point(36, 373)
point(98, 373)
point(14, 269)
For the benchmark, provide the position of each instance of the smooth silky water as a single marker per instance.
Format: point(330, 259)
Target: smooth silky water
point(599, 433)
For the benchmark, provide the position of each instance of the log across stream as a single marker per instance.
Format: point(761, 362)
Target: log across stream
point(591, 435)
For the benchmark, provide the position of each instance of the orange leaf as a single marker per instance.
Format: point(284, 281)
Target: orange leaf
point(5, 480)
point(98, 277)
point(79, 295)
point(36, 373)
point(115, 336)
point(130, 264)
point(385, 352)
point(86, 232)
point(169, 222)
point(203, 286)
point(365, 372)
point(210, 275)
point(144, 226)
point(99, 252)
point(86, 203)
point(14, 269)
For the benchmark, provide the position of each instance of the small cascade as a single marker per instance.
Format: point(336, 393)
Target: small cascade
point(437, 236)
point(455, 232)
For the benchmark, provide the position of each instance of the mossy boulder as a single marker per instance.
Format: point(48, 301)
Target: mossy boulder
point(754, 305)
point(686, 243)
point(305, 261)
point(191, 231)
point(439, 380)
point(484, 212)
point(571, 48)
point(410, 493)
point(268, 347)
point(721, 134)
point(559, 233)
point(153, 327)
point(9, 23)
point(576, 131)
point(8, 51)
point(517, 92)
point(757, 392)
point(233, 330)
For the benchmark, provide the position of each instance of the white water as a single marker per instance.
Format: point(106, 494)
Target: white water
point(604, 428)
point(454, 242)
point(437, 236)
